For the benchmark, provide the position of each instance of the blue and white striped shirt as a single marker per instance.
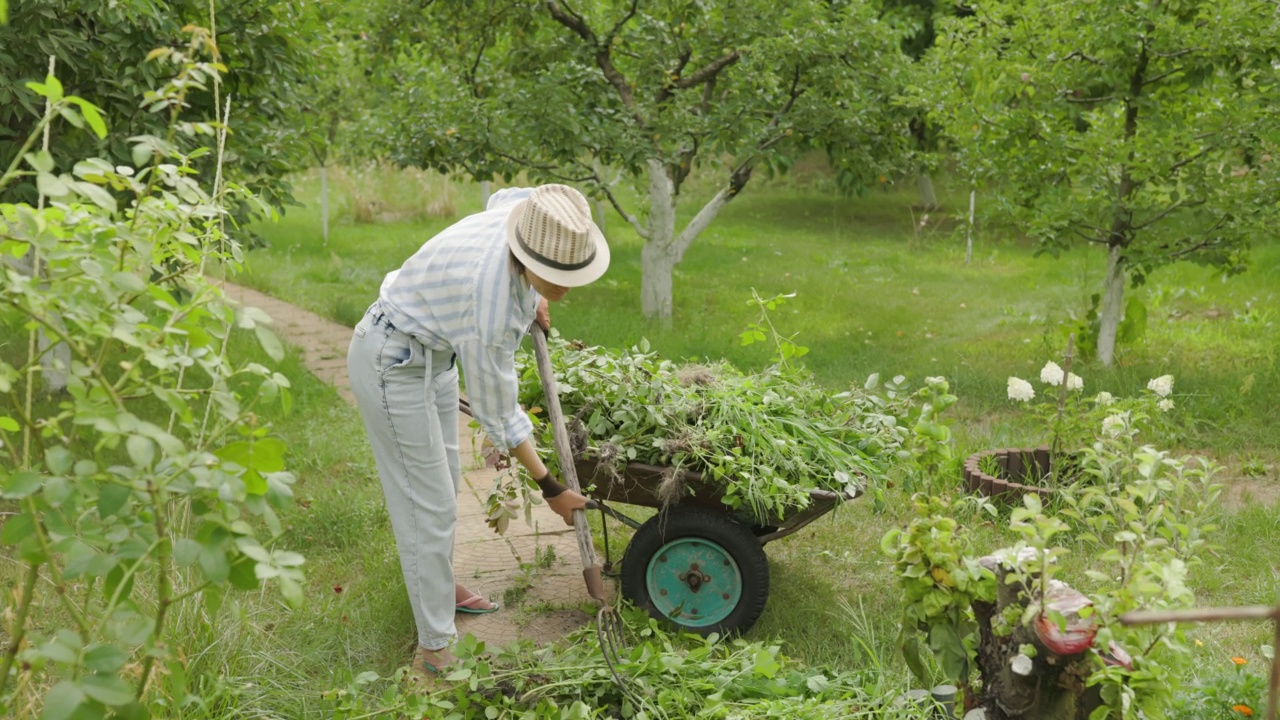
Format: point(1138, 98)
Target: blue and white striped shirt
point(459, 293)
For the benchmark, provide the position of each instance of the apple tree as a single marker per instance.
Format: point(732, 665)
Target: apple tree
point(1148, 129)
point(558, 90)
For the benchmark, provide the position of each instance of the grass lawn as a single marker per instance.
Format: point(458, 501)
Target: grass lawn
point(872, 296)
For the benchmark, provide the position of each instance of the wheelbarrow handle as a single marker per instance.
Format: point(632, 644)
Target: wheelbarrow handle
point(568, 471)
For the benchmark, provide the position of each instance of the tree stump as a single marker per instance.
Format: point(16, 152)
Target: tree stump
point(1052, 685)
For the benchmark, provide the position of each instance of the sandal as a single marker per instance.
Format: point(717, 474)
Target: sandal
point(468, 606)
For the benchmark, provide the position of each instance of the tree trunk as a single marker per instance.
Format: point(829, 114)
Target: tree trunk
point(659, 257)
point(663, 249)
point(324, 203)
point(657, 266)
point(484, 194)
point(1112, 310)
point(928, 198)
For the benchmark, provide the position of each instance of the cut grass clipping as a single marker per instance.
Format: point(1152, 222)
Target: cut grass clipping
point(763, 439)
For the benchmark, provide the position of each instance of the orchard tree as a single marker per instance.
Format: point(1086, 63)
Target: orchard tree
point(652, 89)
point(1146, 128)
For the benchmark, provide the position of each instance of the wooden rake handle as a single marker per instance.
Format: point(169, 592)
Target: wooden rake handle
point(586, 548)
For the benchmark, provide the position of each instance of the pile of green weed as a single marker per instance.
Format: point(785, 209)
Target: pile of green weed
point(764, 438)
point(663, 676)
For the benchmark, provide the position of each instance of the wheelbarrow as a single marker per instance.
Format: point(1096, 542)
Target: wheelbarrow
point(698, 563)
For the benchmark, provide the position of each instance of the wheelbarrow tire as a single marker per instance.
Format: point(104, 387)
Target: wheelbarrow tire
point(697, 569)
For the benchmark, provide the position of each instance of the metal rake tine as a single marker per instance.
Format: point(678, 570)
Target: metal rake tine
point(609, 632)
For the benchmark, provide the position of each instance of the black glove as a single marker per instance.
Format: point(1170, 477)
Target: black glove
point(550, 486)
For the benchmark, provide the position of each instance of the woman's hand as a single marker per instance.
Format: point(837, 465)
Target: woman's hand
point(544, 314)
point(565, 503)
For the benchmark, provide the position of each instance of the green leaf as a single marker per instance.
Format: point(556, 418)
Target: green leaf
point(70, 115)
point(50, 186)
point(107, 689)
point(185, 552)
point(61, 701)
point(264, 455)
point(22, 484)
point(270, 343)
point(142, 450)
point(16, 529)
point(57, 489)
point(111, 498)
point(98, 196)
point(105, 658)
point(58, 459)
point(40, 161)
point(92, 115)
point(54, 88)
point(245, 574)
point(213, 562)
point(765, 664)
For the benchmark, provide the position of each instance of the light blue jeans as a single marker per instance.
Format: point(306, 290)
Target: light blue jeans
point(408, 397)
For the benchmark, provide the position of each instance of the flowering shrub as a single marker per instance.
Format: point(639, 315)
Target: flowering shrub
point(1072, 419)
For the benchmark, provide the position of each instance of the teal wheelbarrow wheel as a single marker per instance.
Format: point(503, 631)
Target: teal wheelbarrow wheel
point(698, 569)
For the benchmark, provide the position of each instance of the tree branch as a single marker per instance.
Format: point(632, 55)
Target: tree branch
point(613, 200)
point(1071, 99)
point(625, 19)
point(1078, 54)
point(1187, 161)
point(665, 93)
point(709, 71)
point(1089, 238)
point(574, 22)
point(1204, 242)
point(1161, 215)
point(1163, 75)
point(1176, 54)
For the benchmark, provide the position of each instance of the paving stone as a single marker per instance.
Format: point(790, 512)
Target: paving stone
point(485, 562)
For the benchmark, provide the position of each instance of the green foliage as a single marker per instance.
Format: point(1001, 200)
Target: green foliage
point(1232, 693)
point(104, 55)
point(933, 559)
point(129, 522)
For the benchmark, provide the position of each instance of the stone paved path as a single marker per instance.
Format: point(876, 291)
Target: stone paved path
point(484, 561)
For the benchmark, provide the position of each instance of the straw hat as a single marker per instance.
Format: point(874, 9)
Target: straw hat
point(551, 232)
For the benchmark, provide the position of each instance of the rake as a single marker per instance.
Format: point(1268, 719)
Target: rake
point(609, 627)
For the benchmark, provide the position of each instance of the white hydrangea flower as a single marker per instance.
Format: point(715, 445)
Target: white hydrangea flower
point(1162, 385)
point(1104, 398)
point(1051, 374)
point(1113, 425)
point(1166, 405)
point(1074, 382)
point(1020, 390)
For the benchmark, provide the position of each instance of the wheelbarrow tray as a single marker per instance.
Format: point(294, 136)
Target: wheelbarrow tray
point(640, 484)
